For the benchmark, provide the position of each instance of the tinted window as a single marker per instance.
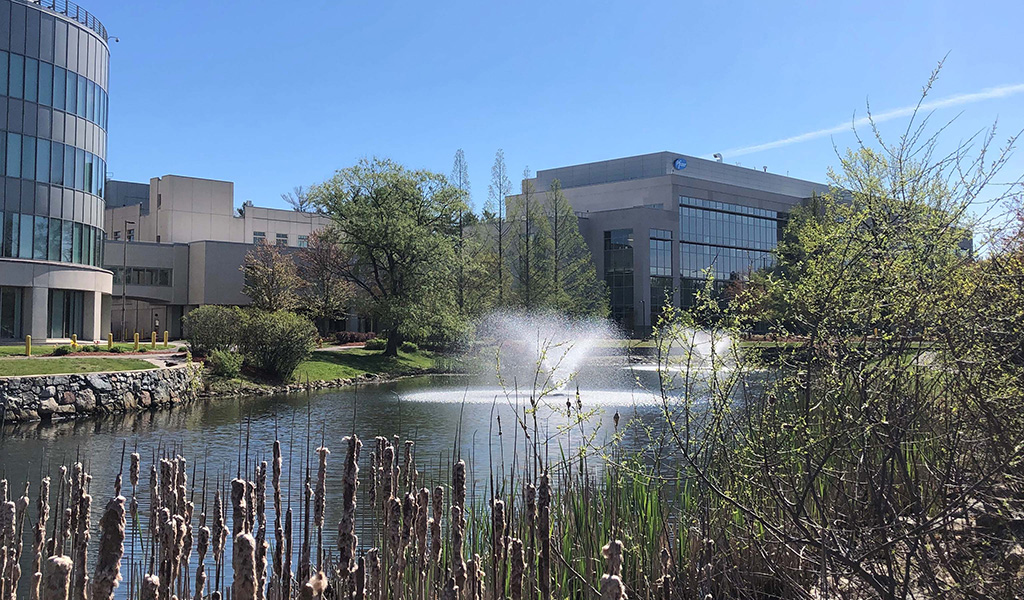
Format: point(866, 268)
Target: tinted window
point(16, 77)
point(31, 79)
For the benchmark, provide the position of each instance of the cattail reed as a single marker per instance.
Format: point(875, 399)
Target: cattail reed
point(202, 546)
point(320, 501)
point(544, 533)
point(150, 589)
point(81, 580)
point(373, 582)
point(518, 569)
point(278, 564)
point(459, 523)
point(664, 584)
point(393, 537)
point(435, 530)
point(474, 579)
point(407, 471)
point(43, 509)
point(56, 584)
point(387, 466)
point(244, 564)
point(612, 587)
point(286, 581)
point(261, 530)
point(239, 511)
point(108, 562)
point(347, 540)
point(420, 529)
point(451, 591)
point(7, 539)
point(498, 546)
point(359, 580)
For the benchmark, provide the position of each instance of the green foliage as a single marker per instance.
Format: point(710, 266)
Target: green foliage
point(62, 350)
point(576, 288)
point(531, 256)
point(271, 278)
point(223, 363)
point(400, 229)
point(210, 327)
point(325, 293)
point(376, 344)
point(409, 347)
point(274, 344)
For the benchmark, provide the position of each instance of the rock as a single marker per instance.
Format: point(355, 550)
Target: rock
point(99, 383)
point(1014, 558)
point(85, 401)
point(67, 398)
point(47, 406)
point(48, 392)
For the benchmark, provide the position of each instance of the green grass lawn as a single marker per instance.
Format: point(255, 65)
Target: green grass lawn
point(47, 349)
point(328, 365)
point(76, 364)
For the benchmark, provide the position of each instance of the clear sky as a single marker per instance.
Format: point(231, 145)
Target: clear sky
point(271, 95)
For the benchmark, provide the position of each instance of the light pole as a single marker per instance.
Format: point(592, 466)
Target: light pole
point(124, 277)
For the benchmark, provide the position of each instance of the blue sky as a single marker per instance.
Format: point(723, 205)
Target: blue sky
point(272, 95)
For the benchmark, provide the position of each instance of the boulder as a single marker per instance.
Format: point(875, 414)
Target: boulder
point(99, 383)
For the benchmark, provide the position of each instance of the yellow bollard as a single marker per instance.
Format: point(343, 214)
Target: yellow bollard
point(136, 341)
point(110, 341)
point(28, 345)
point(166, 336)
point(152, 343)
point(74, 341)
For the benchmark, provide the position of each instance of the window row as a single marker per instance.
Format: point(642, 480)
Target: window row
point(50, 162)
point(725, 263)
point(661, 257)
point(281, 239)
point(143, 276)
point(49, 85)
point(56, 240)
point(712, 227)
point(733, 208)
point(46, 36)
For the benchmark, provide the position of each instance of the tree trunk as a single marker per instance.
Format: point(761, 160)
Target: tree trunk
point(394, 341)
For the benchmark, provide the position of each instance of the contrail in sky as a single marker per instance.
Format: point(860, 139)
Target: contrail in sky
point(1002, 91)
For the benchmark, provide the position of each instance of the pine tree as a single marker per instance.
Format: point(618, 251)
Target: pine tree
point(532, 254)
point(576, 289)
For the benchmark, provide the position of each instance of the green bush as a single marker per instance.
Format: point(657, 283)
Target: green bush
point(376, 344)
point(210, 328)
point(409, 347)
point(118, 350)
point(224, 363)
point(276, 343)
point(62, 350)
point(90, 348)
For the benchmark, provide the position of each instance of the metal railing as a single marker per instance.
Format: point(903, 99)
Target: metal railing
point(73, 11)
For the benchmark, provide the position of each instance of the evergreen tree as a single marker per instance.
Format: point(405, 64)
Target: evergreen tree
point(576, 289)
point(531, 253)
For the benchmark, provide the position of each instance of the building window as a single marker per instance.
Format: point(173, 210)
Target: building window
point(618, 274)
point(67, 311)
point(10, 313)
point(661, 252)
point(259, 236)
point(282, 239)
point(117, 235)
point(303, 241)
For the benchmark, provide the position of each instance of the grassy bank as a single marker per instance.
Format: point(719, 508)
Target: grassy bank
point(47, 349)
point(77, 364)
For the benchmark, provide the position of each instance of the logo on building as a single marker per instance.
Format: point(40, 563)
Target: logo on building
point(679, 164)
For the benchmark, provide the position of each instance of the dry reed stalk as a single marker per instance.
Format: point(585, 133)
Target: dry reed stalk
point(286, 580)
point(81, 580)
point(8, 512)
point(450, 591)
point(20, 517)
point(373, 583)
point(544, 533)
point(518, 569)
point(150, 588)
point(387, 465)
point(155, 503)
point(407, 470)
point(458, 559)
point(612, 587)
point(278, 563)
point(347, 540)
point(664, 584)
point(420, 529)
point(166, 530)
point(435, 530)
point(239, 512)
point(373, 480)
point(244, 565)
point(43, 510)
point(108, 562)
point(304, 562)
point(393, 537)
point(498, 547)
point(530, 493)
point(320, 502)
point(56, 581)
point(250, 507)
point(474, 579)
point(359, 580)
point(65, 528)
point(261, 530)
point(408, 524)
point(220, 535)
point(202, 546)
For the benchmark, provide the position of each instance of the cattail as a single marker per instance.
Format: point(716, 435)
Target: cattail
point(475, 579)
point(250, 507)
point(8, 559)
point(81, 581)
point(665, 583)
point(518, 569)
point(359, 580)
point(435, 529)
point(387, 466)
point(530, 493)
point(393, 533)
point(373, 583)
point(320, 497)
point(108, 562)
point(407, 471)
point(304, 562)
point(420, 528)
point(244, 564)
point(150, 589)
point(458, 560)
point(451, 591)
point(261, 530)
point(56, 583)
point(155, 502)
point(202, 546)
point(20, 517)
point(498, 546)
point(408, 520)
point(373, 479)
point(544, 526)
point(43, 508)
point(612, 587)
point(134, 469)
point(239, 511)
point(286, 581)
point(166, 532)
point(347, 540)
point(220, 533)
point(278, 507)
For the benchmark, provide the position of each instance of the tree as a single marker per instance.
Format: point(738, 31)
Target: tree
point(271, 279)
point(576, 289)
point(326, 293)
point(299, 200)
point(531, 249)
point(400, 228)
point(494, 214)
point(460, 180)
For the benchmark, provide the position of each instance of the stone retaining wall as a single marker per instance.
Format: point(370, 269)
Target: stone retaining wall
point(43, 397)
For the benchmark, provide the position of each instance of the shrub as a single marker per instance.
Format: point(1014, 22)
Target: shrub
point(210, 328)
point(376, 344)
point(409, 347)
point(353, 337)
point(118, 350)
point(276, 343)
point(62, 350)
point(90, 348)
point(224, 363)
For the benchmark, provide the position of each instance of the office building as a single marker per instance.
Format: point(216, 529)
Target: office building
point(53, 138)
point(654, 223)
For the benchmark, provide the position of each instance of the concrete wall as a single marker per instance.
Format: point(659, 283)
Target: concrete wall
point(54, 397)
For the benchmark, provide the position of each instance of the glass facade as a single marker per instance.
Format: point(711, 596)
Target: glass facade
point(618, 274)
point(56, 240)
point(661, 272)
point(10, 313)
point(729, 240)
point(67, 311)
point(141, 276)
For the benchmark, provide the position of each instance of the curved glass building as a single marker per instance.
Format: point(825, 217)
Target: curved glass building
point(54, 69)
